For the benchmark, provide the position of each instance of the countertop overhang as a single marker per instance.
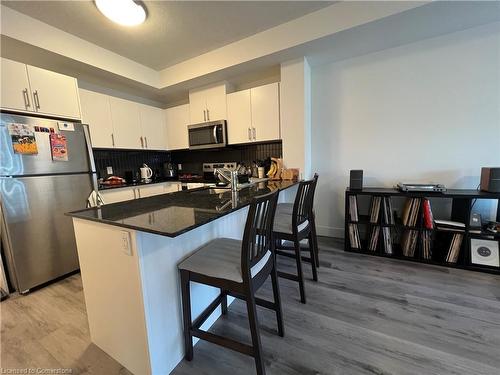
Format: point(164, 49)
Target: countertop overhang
point(176, 213)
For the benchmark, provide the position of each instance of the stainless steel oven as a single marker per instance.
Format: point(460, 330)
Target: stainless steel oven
point(207, 135)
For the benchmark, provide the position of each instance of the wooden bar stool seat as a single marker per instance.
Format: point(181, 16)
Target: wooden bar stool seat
point(238, 268)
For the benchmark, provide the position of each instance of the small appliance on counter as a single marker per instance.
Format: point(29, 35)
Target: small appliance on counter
point(146, 173)
point(169, 170)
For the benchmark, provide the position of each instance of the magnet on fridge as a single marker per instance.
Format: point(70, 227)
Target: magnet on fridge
point(37, 128)
point(68, 126)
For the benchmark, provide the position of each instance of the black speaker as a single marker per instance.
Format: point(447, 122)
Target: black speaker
point(356, 179)
point(490, 180)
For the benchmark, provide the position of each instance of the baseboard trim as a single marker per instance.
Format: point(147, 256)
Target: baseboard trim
point(330, 231)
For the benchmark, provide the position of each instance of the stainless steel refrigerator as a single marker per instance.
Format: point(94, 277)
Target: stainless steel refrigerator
point(35, 192)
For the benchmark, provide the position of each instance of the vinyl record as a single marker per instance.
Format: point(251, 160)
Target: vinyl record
point(484, 252)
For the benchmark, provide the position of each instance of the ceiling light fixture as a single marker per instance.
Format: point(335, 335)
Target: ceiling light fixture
point(123, 12)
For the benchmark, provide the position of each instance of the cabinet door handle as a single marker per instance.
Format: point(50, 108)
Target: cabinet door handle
point(208, 115)
point(146, 140)
point(37, 99)
point(204, 115)
point(26, 98)
point(249, 134)
point(113, 139)
point(142, 142)
point(254, 132)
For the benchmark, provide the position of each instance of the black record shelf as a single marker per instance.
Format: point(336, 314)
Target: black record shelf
point(461, 207)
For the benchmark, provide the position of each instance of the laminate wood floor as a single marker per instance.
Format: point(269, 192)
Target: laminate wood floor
point(366, 315)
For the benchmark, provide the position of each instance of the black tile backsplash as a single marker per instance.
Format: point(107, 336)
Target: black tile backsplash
point(191, 160)
point(129, 160)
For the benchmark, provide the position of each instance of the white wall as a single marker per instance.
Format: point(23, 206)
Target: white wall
point(295, 115)
point(427, 111)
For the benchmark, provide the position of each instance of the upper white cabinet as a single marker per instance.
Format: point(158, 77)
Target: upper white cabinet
point(153, 127)
point(253, 115)
point(265, 112)
point(126, 123)
point(30, 89)
point(177, 119)
point(239, 117)
point(96, 113)
point(15, 86)
point(208, 104)
point(54, 93)
point(121, 123)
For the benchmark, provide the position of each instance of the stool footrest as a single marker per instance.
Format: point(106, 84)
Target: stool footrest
point(207, 312)
point(258, 301)
point(288, 276)
point(223, 341)
point(290, 255)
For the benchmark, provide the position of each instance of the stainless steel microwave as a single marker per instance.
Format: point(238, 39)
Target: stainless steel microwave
point(207, 135)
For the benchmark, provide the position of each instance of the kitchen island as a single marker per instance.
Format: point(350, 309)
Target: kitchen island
point(128, 255)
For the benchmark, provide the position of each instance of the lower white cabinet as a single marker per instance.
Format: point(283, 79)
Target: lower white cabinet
point(151, 190)
point(117, 195)
point(177, 120)
point(136, 192)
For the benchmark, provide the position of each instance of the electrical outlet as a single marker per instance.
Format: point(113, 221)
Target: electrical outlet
point(126, 248)
point(109, 170)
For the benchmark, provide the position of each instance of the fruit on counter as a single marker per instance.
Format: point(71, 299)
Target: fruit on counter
point(275, 169)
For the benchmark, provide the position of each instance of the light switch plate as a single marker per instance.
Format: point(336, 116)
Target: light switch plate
point(109, 170)
point(126, 247)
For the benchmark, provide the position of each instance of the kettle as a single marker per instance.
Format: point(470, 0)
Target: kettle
point(169, 170)
point(146, 172)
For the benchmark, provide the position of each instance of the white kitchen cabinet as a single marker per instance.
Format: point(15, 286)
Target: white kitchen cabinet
point(208, 104)
point(265, 112)
point(117, 195)
point(30, 89)
point(239, 117)
point(151, 190)
point(153, 127)
point(53, 93)
point(177, 119)
point(126, 123)
point(96, 112)
point(172, 187)
point(15, 87)
point(253, 114)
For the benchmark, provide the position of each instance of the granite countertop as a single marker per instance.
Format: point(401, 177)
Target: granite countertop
point(177, 213)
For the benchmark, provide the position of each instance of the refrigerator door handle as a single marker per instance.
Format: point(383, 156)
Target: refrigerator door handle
point(86, 132)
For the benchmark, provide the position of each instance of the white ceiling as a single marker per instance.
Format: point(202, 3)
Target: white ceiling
point(174, 30)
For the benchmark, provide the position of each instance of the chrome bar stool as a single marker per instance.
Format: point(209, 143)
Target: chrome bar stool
point(295, 227)
point(238, 268)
